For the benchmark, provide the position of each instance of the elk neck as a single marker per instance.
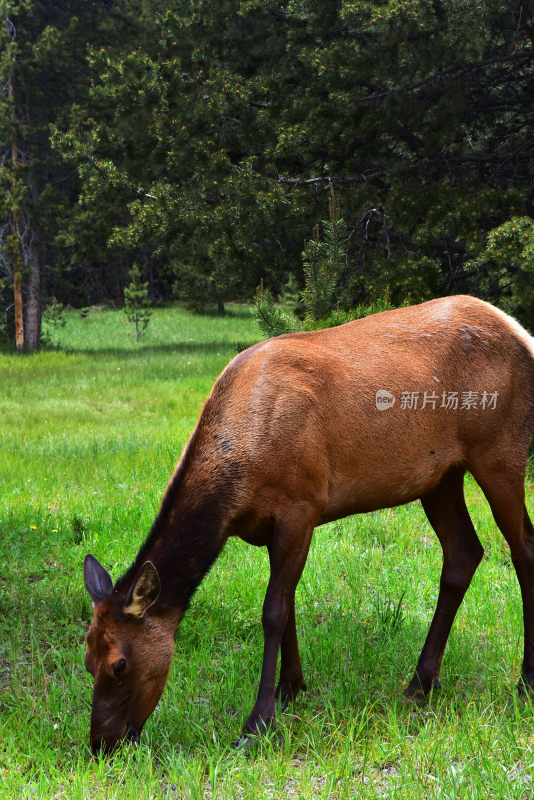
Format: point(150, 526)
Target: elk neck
point(189, 531)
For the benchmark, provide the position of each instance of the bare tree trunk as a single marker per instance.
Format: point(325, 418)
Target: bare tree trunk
point(220, 304)
point(17, 293)
point(34, 302)
point(17, 256)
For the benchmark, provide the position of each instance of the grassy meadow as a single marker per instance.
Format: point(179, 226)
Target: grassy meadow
point(89, 434)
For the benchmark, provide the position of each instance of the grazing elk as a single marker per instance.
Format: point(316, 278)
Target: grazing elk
point(307, 428)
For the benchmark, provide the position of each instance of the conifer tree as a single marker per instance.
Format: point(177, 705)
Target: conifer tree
point(273, 320)
point(323, 263)
point(136, 302)
point(47, 244)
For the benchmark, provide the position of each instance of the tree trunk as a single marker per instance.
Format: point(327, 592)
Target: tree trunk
point(220, 304)
point(17, 256)
point(17, 294)
point(35, 299)
point(34, 302)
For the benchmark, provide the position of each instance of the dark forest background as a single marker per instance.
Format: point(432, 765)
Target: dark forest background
point(202, 140)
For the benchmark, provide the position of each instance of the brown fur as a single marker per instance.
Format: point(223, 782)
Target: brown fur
point(291, 437)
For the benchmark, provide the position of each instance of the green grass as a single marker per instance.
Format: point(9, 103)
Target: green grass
point(89, 435)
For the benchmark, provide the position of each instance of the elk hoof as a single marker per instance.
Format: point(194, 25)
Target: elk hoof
point(417, 698)
point(254, 727)
point(417, 695)
point(286, 693)
point(418, 690)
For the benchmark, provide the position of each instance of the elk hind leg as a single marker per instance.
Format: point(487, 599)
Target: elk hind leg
point(505, 492)
point(462, 552)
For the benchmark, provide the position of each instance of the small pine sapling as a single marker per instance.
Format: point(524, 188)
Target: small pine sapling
point(53, 319)
point(272, 319)
point(136, 302)
point(324, 260)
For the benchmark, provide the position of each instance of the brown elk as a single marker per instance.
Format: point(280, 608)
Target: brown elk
point(295, 433)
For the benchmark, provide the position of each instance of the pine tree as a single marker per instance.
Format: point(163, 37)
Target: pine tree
point(273, 320)
point(323, 263)
point(136, 302)
point(43, 72)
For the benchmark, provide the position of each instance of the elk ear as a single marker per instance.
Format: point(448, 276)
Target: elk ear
point(97, 581)
point(144, 592)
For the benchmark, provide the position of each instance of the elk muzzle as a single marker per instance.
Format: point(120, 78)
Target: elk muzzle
point(106, 745)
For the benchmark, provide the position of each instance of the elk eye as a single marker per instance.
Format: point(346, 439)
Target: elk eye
point(118, 668)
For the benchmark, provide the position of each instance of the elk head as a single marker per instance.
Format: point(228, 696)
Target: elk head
point(129, 650)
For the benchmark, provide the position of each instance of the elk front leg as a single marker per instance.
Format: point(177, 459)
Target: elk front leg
point(291, 679)
point(287, 555)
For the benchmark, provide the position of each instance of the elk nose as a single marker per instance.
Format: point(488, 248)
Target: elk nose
point(97, 746)
point(105, 747)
